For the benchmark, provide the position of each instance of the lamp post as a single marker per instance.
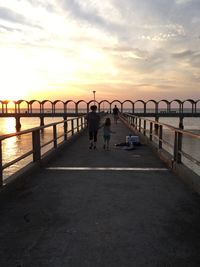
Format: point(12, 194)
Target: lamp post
point(94, 96)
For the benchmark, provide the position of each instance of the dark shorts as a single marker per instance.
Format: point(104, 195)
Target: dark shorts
point(106, 137)
point(93, 135)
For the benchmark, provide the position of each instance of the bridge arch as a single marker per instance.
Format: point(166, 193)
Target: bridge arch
point(18, 106)
point(197, 106)
point(33, 102)
point(128, 101)
point(68, 102)
point(8, 106)
point(144, 106)
point(55, 103)
point(167, 103)
point(107, 102)
point(178, 102)
point(155, 106)
point(192, 105)
point(43, 105)
point(2, 111)
point(79, 109)
point(4, 106)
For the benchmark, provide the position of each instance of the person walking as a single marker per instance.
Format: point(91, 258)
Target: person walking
point(116, 113)
point(93, 120)
point(107, 133)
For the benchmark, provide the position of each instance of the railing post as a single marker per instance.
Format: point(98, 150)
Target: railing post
point(65, 128)
point(151, 131)
point(179, 147)
point(77, 123)
point(139, 124)
point(156, 126)
point(136, 122)
point(175, 146)
point(36, 145)
point(144, 132)
point(160, 135)
point(181, 126)
point(1, 165)
point(72, 125)
point(81, 123)
point(41, 121)
point(131, 121)
point(18, 124)
point(54, 136)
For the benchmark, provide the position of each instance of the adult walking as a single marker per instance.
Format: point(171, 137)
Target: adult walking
point(116, 113)
point(93, 120)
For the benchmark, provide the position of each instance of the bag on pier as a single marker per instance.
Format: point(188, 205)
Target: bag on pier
point(132, 140)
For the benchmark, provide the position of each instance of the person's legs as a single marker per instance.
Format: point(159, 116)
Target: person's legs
point(91, 139)
point(106, 142)
point(104, 138)
point(95, 139)
point(115, 118)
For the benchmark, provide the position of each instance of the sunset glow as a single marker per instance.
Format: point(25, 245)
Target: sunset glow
point(66, 49)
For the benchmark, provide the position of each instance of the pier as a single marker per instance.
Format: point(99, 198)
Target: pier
point(83, 207)
point(58, 108)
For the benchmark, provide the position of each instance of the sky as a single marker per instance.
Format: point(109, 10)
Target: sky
point(130, 49)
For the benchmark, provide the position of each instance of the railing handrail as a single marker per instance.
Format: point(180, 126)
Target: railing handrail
point(155, 137)
point(30, 130)
point(35, 150)
point(178, 130)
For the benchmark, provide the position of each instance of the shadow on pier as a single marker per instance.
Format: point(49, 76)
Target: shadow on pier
point(101, 208)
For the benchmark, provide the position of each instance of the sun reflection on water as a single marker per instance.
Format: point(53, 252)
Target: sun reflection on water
point(7, 125)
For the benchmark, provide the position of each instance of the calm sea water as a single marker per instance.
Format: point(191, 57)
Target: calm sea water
point(190, 145)
point(16, 146)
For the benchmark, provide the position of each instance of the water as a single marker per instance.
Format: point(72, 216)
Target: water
point(190, 146)
point(17, 146)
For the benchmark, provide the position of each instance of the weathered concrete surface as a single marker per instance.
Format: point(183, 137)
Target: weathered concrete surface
point(101, 218)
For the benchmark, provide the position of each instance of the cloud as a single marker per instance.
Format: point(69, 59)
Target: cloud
point(49, 5)
point(131, 42)
point(14, 21)
point(4, 28)
point(188, 56)
point(183, 54)
point(180, 2)
point(87, 13)
point(10, 15)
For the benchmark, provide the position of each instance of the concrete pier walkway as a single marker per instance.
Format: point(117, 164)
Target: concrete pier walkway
point(97, 208)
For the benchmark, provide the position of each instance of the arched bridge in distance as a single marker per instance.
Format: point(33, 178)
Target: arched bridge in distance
point(70, 108)
point(139, 106)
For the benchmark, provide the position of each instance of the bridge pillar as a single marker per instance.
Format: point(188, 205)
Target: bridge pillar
point(181, 125)
point(41, 121)
point(65, 127)
point(156, 126)
point(18, 124)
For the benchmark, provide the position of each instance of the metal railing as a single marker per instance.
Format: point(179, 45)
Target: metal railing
point(168, 138)
point(70, 128)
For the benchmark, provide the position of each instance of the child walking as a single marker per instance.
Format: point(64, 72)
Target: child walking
point(107, 133)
